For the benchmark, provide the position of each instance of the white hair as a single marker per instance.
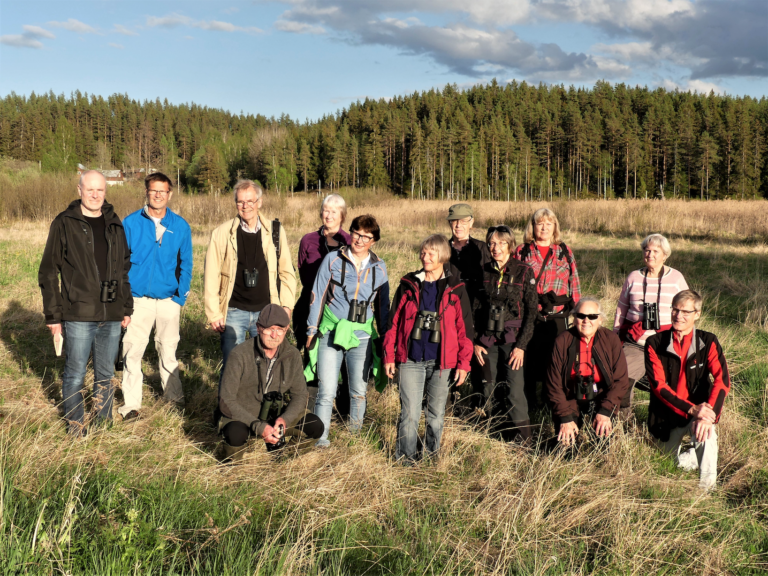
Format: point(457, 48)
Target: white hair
point(245, 184)
point(658, 240)
point(584, 300)
point(336, 201)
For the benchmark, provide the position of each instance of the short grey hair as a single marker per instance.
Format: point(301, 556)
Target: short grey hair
point(439, 243)
point(658, 240)
point(338, 202)
point(594, 300)
point(245, 184)
point(687, 295)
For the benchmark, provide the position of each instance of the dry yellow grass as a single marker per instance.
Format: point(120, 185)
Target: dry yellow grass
point(499, 509)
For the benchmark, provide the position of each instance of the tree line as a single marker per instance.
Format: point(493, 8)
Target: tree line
point(516, 142)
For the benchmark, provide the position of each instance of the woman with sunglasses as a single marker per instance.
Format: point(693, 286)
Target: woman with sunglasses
point(351, 288)
point(504, 312)
point(587, 376)
point(557, 283)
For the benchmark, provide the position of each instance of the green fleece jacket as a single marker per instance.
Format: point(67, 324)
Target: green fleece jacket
point(244, 383)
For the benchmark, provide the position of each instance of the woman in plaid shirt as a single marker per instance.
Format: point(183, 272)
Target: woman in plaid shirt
point(557, 283)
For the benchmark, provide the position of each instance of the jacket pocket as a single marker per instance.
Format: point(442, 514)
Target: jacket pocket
point(223, 286)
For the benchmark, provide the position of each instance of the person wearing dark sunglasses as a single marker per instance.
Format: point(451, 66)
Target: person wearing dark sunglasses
point(504, 312)
point(587, 377)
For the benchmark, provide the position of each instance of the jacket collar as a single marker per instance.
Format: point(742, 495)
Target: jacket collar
point(344, 251)
point(266, 225)
point(696, 343)
point(107, 210)
point(165, 221)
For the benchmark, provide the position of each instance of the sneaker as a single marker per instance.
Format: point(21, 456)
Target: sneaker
point(132, 415)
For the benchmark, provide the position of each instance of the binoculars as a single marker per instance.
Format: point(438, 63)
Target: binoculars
point(586, 389)
point(358, 311)
point(108, 291)
point(651, 320)
point(250, 277)
point(428, 321)
point(271, 407)
point(495, 319)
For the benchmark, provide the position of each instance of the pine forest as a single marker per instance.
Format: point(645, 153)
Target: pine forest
point(509, 142)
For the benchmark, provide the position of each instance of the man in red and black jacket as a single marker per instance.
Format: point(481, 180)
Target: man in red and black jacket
point(689, 381)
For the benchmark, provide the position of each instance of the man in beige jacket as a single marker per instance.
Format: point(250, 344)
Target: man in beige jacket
point(243, 272)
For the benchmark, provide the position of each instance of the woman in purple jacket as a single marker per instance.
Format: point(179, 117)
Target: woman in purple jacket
point(312, 249)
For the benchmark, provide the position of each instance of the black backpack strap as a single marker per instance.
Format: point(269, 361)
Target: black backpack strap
point(564, 253)
point(276, 236)
point(525, 253)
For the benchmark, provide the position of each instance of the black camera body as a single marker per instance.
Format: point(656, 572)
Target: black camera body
point(651, 320)
point(271, 408)
point(586, 389)
point(496, 318)
point(250, 277)
point(426, 320)
point(358, 311)
point(108, 292)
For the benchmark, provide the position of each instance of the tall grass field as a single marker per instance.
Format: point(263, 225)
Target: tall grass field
point(149, 496)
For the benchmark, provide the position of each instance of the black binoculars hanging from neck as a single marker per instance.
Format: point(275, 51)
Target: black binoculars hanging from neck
point(428, 321)
point(586, 389)
point(358, 311)
point(496, 319)
point(108, 291)
point(250, 277)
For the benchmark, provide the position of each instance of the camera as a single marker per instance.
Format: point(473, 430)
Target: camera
point(651, 320)
point(358, 311)
point(108, 291)
point(428, 321)
point(271, 407)
point(250, 277)
point(586, 389)
point(495, 319)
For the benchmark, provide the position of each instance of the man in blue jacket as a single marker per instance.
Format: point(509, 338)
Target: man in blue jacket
point(161, 271)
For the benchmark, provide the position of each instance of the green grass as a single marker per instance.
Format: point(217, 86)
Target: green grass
point(149, 498)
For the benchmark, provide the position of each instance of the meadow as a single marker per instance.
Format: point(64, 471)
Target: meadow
point(149, 497)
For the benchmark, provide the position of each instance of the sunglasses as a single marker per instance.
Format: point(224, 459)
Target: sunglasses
point(582, 316)
point(501, 228)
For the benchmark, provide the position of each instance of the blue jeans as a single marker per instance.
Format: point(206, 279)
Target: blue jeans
point(414, 378)
point(238, 323)
point(329, 358)
point(80, 338)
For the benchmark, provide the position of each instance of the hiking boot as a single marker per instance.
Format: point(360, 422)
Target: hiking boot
point(132, 415)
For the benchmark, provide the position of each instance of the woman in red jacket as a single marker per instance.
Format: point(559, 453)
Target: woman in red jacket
point(429, 337)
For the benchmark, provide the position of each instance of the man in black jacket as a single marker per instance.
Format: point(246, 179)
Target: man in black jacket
point(86, 247)
point(260, 370)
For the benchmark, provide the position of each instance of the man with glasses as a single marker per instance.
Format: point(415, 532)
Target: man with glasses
point(247, 267)
point(263, 392)
point(689, 381)
point(86, 248)
point(161, 254)
point(469, 255)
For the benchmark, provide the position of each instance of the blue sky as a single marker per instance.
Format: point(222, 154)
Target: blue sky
point(308, 58)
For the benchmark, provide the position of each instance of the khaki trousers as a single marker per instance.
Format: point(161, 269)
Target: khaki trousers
point(702, 456)
point(164, 316)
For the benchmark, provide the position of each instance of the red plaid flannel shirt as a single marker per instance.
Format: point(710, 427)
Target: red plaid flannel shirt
point(559, 275)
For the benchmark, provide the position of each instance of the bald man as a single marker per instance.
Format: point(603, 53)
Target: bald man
point(87, 249)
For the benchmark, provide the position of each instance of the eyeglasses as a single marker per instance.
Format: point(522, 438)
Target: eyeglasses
point(463, 221)
point(159, 192)
point(244, 203)
point(683, 313)
point(366, 239)
point(582, 316)
point(274, 331)
point(497, 244)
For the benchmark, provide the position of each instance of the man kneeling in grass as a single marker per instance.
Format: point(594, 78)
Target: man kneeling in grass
point(689, 381)
point(263, 391)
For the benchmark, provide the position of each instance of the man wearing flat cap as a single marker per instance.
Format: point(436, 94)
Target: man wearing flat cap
point(263, 392)
point(469, 256)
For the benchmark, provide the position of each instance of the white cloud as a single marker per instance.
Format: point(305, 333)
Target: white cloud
point(120, 29)
point(28, 39)
point(118, 46)
point(691, 86)
point(175, 20)
point(298, 27)
point(20, 41)
point(37, 32)
point(74, 26)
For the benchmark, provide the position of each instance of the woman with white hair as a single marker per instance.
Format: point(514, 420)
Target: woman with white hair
point(587, 375)
point(313, 248)
point(645, 304)
point(429, 338)
point(558, 287)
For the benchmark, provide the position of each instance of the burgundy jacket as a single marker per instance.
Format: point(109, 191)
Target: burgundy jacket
point(456, 330)
point(608, 354)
